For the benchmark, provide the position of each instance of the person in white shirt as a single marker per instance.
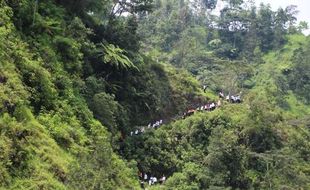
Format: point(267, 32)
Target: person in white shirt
point(221, 95)
point(162, 179)
point(234, 99)
point(205, 88)
point(238, 99)
point(150, 181)
point(228, 98)
point(212, 106)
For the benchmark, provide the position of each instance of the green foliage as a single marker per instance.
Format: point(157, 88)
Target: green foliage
point(190, 177)
point(75, 81)
point(101, 168)
point(32, 159)
point(210, 4)
point(70, 53)
point(223, 150)
point(299, 77)
point(106, 110)
point(45, 124)
point(158, 91)
point(116, 57)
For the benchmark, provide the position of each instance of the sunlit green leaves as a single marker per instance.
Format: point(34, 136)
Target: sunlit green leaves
point(116, 57)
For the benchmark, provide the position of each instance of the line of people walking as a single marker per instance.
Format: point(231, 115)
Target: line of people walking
point(210, 106)
point(213, 105)
point(231, 98)
point(142, 129)
point(150, 179)
point(205, 107)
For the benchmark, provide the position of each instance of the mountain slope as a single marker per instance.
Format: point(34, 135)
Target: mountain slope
point(273, 80)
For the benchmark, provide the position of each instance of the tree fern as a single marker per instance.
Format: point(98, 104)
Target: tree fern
point(116, 56)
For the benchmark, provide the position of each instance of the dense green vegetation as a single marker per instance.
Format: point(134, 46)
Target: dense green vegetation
point(76, 77)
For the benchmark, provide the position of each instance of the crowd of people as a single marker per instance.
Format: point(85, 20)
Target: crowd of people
point(142, 129)
point(213, 105)
point(150, 179)
point(231, 98)
point(206, 107)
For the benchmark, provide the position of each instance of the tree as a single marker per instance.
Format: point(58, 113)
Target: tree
point(265, 27)
point(209, 4)
point(116, 57)
point(303, 25)
point(291, 12)
point(281, 19)
point(299, 76)
point(133, 7)
point(234, 3)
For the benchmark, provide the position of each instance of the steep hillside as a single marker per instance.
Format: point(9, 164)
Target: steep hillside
point(46, 137)
point(253, 51)
point(237, 146)
point(64, 108)
point(274, 79)
point(105, 94)
point(262, 143)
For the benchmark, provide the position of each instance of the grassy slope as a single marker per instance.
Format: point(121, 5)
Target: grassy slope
point(294, 139)
point(293, 135)
point(38, 150)
point(45, 149)
point(275, 63)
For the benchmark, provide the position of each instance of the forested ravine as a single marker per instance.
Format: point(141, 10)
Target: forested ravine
point(84, 83)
